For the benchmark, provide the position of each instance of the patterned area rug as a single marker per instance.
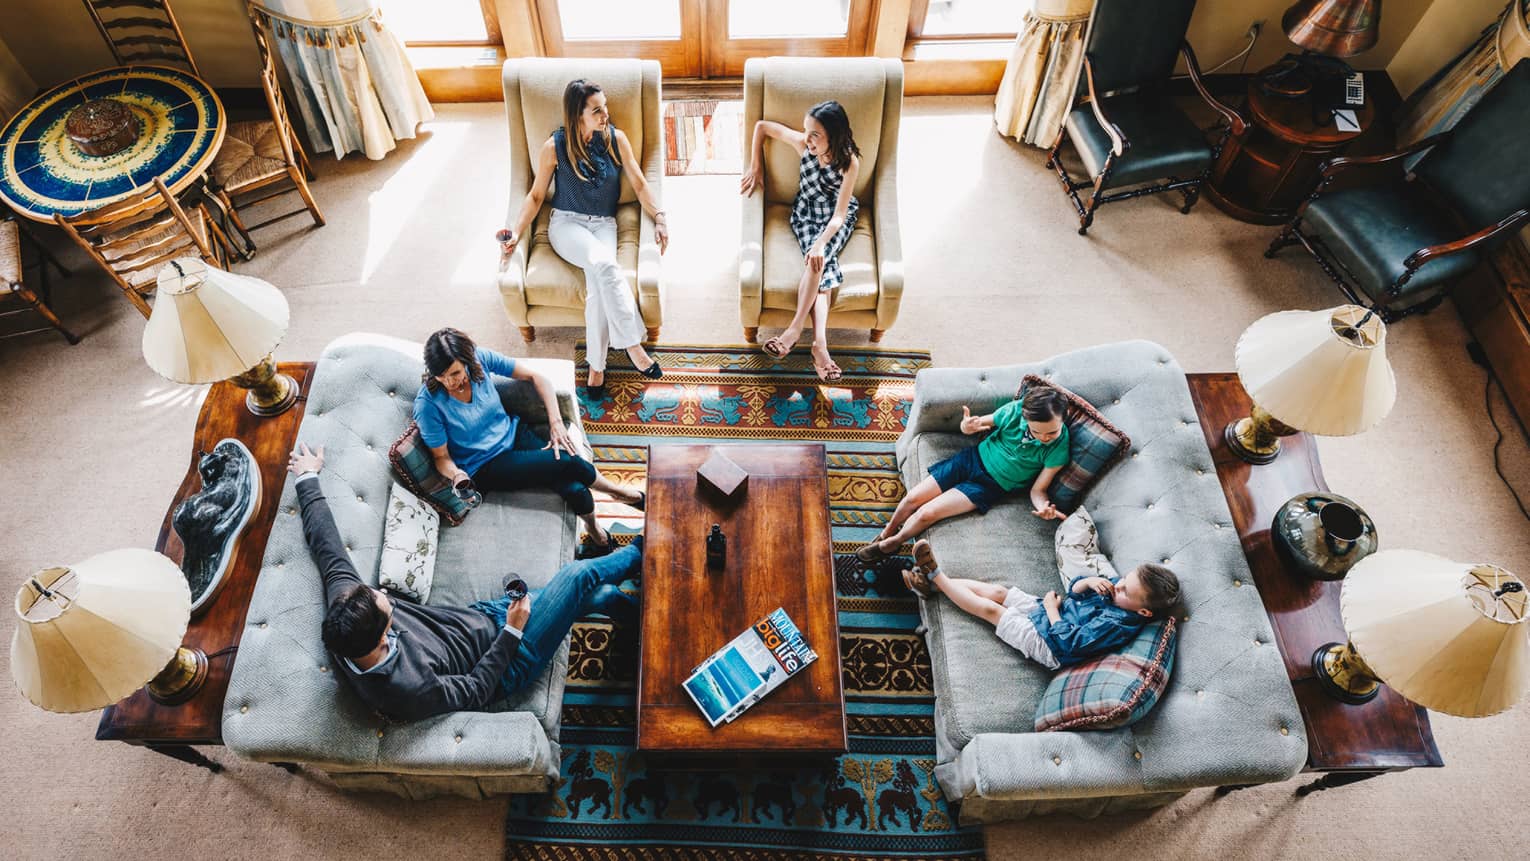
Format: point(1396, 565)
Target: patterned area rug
point(878, 801)
point(703, 136)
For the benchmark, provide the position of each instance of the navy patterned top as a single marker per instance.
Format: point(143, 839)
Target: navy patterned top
point(818, 188)
point(599, 192)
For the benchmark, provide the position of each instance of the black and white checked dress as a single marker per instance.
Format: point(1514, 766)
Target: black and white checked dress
point(817, 192)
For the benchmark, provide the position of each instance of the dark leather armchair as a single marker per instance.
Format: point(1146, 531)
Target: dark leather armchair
point(1397, 243)
point(1126, 126)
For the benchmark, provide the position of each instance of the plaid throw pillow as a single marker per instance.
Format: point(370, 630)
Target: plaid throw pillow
point(1112, 690)
point(416, 470)
point(1093, 445)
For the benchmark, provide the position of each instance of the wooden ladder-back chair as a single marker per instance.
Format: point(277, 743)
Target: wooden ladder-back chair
point(262, 159)
point(142, 31)
point(12, 268)
point(132, 238)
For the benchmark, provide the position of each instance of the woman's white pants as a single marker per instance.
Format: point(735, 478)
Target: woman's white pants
point(611, 318)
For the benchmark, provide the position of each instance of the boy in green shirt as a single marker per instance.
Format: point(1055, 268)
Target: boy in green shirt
point(1027, 445)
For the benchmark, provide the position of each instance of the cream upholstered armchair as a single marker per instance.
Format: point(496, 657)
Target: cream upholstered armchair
point(538, 287)
point(770, 263)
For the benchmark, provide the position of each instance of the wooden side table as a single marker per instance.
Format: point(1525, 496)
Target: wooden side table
point(173, 730)
point(1263, 176)
point(1345, 743)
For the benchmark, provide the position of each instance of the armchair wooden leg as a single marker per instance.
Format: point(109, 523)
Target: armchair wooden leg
point(1192, 194)
point(876, 335)
point(528, 333)
point(1286, 236)
point(752, 334)
point(31, 298)
point(653, 334)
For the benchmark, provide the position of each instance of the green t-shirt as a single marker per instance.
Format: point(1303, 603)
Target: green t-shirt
point(1013, 458)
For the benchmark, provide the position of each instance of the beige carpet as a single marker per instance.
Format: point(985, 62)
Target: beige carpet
point(93, 444)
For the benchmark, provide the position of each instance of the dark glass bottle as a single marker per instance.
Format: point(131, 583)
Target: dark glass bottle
point(717, 547)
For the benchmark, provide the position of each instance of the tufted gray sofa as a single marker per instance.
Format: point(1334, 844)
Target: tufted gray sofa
point(286, 701)
point(1228, 716)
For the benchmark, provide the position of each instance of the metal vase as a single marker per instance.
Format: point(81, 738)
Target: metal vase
point(1323, 535)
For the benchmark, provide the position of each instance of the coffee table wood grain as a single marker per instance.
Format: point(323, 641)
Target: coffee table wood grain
point(1345, 743)
point(779, 555)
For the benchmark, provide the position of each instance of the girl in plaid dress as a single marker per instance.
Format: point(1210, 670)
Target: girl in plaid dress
point(823, 216)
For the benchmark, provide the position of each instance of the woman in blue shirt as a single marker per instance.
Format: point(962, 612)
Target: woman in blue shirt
point(473, 439)
point(588, 156)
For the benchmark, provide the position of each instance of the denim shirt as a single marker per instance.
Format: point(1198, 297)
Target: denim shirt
point(1090, 624)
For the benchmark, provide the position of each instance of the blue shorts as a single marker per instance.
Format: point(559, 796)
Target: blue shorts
point(964, 471)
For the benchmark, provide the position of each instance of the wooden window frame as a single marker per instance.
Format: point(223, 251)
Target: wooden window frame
point(919, 9)
point(493, 37)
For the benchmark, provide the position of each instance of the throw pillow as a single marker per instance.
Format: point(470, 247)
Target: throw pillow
point(416, 470)
point(1077, 543)
point(407, 564)
point(1093, 445)
point(1113, 690)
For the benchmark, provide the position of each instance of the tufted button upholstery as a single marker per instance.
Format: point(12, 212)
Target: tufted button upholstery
point(1212, 726)
point(279, 710)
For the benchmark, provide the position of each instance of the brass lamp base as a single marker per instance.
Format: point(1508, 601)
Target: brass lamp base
point(1256, 439)
point(271, 394)
point(180, 680)
point(1344, 675)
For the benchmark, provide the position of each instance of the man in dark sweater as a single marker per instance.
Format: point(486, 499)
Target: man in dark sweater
point(411, 661)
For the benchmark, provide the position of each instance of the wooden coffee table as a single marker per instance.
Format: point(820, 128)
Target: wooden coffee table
point(779, 555)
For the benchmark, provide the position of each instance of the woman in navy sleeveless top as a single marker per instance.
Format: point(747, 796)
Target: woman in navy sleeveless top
point(587, 157)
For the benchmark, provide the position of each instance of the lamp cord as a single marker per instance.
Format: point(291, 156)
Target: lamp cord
point(1474, 350)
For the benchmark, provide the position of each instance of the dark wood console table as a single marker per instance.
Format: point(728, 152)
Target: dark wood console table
point(174, 730)
point(1346, 743)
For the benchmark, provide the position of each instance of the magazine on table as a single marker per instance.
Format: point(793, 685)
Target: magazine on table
point(755, 663)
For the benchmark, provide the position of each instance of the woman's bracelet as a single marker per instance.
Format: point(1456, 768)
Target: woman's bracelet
point(658, 214)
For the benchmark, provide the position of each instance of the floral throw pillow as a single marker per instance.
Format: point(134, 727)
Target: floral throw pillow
point(1077, 543)
point(408, 560)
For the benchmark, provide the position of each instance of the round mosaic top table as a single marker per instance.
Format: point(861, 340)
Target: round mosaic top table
point(42, 172)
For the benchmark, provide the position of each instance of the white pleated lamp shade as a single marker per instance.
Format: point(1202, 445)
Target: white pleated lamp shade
point(1446, 635)
point(111, 624)
point(209, 325)
point(1324, 372)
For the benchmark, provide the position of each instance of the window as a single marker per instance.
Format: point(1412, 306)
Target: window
point(774, 19)
point(964, 19)
point(442, 22)
point(619, 20)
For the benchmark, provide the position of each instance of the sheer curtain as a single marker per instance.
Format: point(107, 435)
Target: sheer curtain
point(352, 81)
point(1439, 104)
point(1042, 73)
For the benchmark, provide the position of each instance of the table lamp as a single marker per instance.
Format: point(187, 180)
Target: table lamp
point(1327, 31)
point(1324, 372)
point(210, 325)
point(94, 632)
point(1450, 636)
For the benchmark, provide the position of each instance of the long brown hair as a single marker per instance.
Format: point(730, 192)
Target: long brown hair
point(836, 124)
point(575, 95)
point(445, 346)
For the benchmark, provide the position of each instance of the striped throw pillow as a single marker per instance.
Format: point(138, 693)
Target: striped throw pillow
point(416, 470)
point(1113, 690)
point(1093, 445)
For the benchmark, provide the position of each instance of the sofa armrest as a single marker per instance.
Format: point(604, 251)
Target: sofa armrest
point(751, 250)
point(511, 276)
point(520, 397)
point(940, 394)
point(886, 232)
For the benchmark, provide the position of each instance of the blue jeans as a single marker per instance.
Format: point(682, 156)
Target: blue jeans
point(578, 589)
